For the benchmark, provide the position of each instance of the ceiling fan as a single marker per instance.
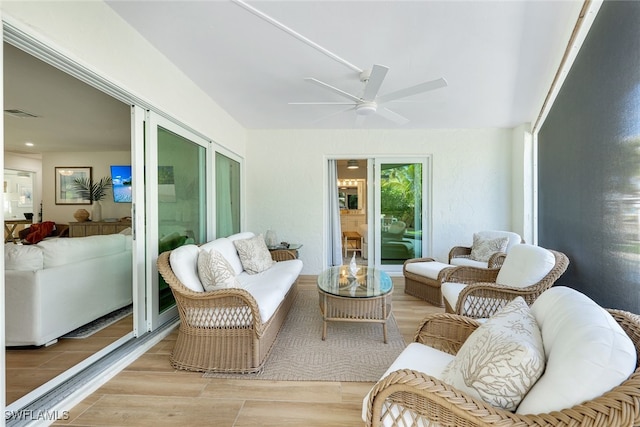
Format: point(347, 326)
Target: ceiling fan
point(369, 102)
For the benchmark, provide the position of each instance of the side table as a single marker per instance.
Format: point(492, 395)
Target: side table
point(294, 248)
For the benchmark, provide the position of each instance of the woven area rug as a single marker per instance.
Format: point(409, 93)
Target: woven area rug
point(351, 352)
point(100, 323)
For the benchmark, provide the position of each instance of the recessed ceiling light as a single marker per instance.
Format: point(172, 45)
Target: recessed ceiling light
point(29, 144)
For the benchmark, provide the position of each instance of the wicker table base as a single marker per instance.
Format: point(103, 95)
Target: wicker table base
point(363, 297)
point(345, 309)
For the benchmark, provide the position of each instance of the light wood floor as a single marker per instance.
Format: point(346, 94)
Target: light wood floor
point(29, 368)
point(151, 393)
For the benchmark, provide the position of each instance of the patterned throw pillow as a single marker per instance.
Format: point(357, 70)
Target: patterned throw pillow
point(502, 359)
point(215, 271)
point(483, 248)
point(254, 254)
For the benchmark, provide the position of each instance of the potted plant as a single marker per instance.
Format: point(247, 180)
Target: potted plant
point(94, 191)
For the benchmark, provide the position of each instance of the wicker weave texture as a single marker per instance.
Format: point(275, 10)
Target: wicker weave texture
point(482, 297)
point(421, 397)
point(423, 287)
point(221, 331)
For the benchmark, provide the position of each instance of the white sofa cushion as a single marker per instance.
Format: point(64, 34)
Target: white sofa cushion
point(61, 251)
point(451, 292)
point(269, 287)
point(254, 254)
point(483, 248)
point(525, 265)
point(225, 246)
point(500, 360)
point(417, 357)
point(464, 261)
point(215, 272)
point(587, 351)
point(23, 257)
point(429, 269)
point(184, 264)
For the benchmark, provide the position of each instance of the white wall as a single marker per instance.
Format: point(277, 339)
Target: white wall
point(92, 34)
point(286, 170)
point(99, 162)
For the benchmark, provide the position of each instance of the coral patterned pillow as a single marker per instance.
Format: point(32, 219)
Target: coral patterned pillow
point(502, 359)
point(254, 254)
point(215, 272)
point(483, 248)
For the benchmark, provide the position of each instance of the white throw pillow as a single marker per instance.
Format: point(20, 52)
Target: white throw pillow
point(254, 254)
point(502, 359)
point(483, 248)
point(215, 271)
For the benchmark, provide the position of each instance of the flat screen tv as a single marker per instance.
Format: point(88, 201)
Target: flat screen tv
point(121, 181)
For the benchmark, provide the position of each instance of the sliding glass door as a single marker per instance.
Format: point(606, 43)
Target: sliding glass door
point(177, 202)
point(227, 195)
point(400, 211)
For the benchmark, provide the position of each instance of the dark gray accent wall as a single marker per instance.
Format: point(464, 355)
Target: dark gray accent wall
point(589, 163)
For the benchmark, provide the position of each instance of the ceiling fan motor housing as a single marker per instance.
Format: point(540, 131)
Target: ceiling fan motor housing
point(366, 108)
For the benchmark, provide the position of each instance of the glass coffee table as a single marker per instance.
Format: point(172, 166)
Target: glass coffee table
point(364, 297)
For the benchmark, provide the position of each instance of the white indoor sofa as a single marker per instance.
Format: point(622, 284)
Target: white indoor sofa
point(230, 329)
point(60, 284)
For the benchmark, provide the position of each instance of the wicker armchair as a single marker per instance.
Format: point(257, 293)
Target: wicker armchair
point(460, 255)
point(480, 292)
point(416, 394)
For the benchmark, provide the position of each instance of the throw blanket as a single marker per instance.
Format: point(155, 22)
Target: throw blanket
point(39, 231)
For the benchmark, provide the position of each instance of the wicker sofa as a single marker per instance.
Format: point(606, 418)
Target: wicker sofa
point(591, 378)
point(233, 329)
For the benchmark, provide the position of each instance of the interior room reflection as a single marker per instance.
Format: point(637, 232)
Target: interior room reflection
point(352, 199)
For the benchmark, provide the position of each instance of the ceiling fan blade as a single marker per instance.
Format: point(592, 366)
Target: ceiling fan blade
point(322, 103)
point(333, 89)
point(413, 90)
point(335, 113)
point(393, 116)
point(378, 73)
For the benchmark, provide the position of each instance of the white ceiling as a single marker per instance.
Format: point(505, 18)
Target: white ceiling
point(498, 57)
point(71, 115)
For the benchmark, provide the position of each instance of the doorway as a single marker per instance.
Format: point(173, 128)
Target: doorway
point(385, 210)
point(352, 201)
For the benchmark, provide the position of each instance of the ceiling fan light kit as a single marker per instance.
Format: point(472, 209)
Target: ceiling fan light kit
point(366, 108)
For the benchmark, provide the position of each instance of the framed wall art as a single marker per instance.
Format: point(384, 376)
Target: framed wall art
point(66, 193)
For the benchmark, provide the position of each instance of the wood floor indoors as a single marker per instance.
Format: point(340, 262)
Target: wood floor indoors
point(149, 392)
point(29, 368)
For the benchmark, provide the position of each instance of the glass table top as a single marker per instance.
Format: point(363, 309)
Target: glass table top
point(368, 282)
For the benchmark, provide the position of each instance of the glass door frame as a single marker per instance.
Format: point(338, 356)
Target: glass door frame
point(155, 120)
point(375, 203)
point(236, 158)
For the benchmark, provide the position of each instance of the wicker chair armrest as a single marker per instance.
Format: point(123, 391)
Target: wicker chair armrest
point(482, 300)
point(431, 398)
point(445, 332)
point(496, 260)
point(468, 274)
point(459, 252)
point(282, 255)
point(435, 400)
